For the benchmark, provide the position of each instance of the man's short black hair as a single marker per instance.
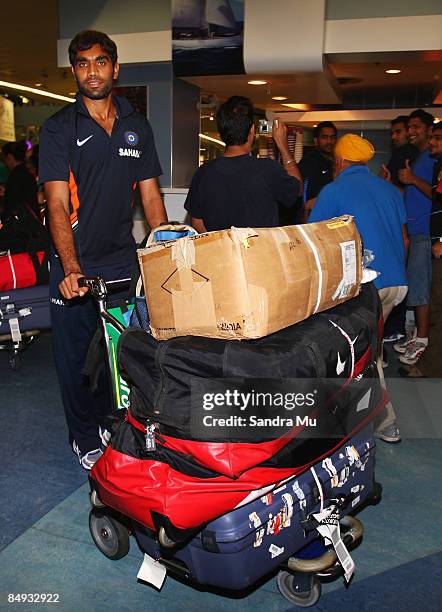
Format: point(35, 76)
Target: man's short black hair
point(88, 38)
point(400, 119)
point(425, 117)
point(16, 149)
point(324, 125)
point(234, 119)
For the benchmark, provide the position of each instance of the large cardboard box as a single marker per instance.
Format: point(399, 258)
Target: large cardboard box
point(248, 283)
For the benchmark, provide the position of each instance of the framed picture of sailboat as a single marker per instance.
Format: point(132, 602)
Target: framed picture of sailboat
point(207, 37)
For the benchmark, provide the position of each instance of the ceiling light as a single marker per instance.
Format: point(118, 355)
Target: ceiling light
point(38, 84)
point(279, 97)
point(437, 120)
point(25, 100)
point(257, 82)
point(47, 94)
point(204, 137)
point(393, 71)
point(300, 107)
point(72, 93)
point(211, 118)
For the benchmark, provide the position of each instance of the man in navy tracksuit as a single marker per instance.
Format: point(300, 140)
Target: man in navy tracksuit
point(92, 155)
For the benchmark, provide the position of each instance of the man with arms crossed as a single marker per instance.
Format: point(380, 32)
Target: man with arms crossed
point(316, 166)
point(401, 151)
point(92, 154)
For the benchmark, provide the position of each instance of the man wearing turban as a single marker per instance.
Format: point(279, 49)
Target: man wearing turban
point(379, 212)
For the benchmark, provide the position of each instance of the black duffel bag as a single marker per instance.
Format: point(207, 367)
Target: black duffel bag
point(339, 344)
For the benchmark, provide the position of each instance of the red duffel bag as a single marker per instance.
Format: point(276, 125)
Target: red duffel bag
point(23, 270)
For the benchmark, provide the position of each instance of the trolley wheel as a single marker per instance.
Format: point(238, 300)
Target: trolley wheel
point(95, 500)
point(109, 535)
point(15, 359)
point(291, 591)
point(164, 539)
point(376, 496)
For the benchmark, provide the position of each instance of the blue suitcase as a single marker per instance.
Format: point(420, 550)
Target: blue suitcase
point(23, 314)
point(239, 548)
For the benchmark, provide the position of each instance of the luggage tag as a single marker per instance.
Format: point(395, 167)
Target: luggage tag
point(151, 444)
point(15, 329)
point(330, 530)
point(152, 571)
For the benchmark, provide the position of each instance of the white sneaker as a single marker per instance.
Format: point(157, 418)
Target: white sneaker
point(413, 352)
point(401, 347)
point(105, 435)
point(87, 460)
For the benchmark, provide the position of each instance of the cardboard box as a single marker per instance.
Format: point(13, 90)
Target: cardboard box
point(248, 283)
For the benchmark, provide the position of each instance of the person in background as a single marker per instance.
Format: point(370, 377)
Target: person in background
point(417, 178)
point(316, 165)
point(379, 213)
point(21, 187)
point(237, 189)
point(430, 363)
point(401, 151)
point(92, 155)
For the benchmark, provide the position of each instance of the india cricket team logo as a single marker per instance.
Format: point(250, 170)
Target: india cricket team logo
point(131, 138)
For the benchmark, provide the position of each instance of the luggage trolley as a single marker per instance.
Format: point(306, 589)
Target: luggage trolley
point(198, 560)
point(23, 314)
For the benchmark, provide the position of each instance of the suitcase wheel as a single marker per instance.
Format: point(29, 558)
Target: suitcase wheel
point(164, 539)
point(95, 500)
point(303, 590)
point(110, 536)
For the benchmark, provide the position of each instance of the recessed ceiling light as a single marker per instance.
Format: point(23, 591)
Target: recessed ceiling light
point(72, 93)
point(279, 97)
point(393, 71)
point(257, 82)
point(38, 84)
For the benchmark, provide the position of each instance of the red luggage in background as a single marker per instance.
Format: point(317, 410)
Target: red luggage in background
point(23, 270)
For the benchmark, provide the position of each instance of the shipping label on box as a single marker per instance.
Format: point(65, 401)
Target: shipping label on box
point(248, 283)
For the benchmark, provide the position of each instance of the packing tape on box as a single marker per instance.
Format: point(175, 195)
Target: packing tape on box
point(183, 253)
point(195, 299)
point(314, 250)
point(241, 235)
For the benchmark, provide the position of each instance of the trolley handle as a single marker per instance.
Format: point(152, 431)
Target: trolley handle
point(99, 288)
point(95, 284)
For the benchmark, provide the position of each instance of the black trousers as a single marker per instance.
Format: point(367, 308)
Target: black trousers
point(74, 323)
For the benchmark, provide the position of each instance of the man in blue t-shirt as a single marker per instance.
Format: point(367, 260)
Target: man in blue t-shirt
point(379, 213)
point(417, 178)
point(92, 155)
